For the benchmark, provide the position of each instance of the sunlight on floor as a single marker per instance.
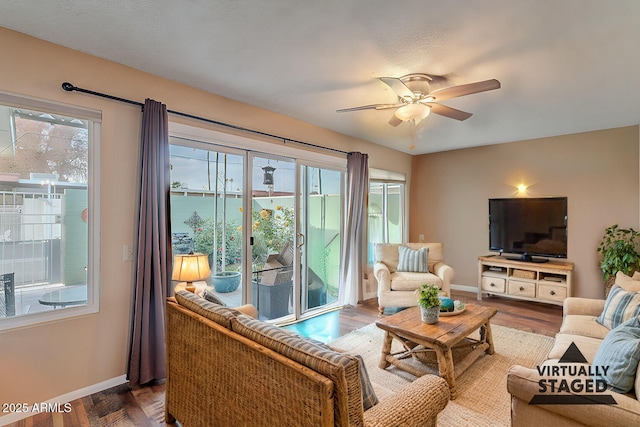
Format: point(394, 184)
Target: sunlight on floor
point(324, 328)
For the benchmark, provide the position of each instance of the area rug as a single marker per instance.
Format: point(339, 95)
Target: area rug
point(482, 398)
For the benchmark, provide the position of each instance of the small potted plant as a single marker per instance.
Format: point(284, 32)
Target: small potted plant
point(620, 252)
point(429, 302)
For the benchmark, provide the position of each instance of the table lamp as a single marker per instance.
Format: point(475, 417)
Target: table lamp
point(189, 268)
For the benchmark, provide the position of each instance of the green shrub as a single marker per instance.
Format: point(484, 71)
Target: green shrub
point(619, 249)
point(204, 242)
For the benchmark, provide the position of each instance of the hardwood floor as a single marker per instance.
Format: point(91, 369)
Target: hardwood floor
point(144, 406)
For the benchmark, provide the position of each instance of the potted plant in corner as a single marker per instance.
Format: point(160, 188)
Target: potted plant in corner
point(429, 302)
point(619, 249)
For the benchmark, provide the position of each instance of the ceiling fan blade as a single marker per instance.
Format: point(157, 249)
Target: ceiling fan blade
point(398, 87)
point(446, 111)
point(462, 90)
point(371, 107)
point(394, 121)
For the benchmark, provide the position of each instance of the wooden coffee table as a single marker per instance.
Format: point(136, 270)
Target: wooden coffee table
point(450, 333)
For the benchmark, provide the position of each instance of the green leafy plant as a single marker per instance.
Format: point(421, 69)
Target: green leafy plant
point(619, 249)
point(272, 229)
point(207, 232)
point(428, 296)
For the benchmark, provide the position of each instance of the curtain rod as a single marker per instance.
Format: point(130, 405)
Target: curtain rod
point(70, 88)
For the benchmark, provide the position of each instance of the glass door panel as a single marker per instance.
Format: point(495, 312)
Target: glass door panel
point(320, 243)
point(272, 236)
point(206, 213)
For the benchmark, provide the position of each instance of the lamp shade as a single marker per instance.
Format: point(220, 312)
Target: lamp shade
point(415, 112)
point(190, 267)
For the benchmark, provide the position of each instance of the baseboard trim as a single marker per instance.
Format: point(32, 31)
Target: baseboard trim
point(65, 398)
point(369, 295)
point(464, 288)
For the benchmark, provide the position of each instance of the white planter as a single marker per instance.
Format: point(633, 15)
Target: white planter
point(430, 315)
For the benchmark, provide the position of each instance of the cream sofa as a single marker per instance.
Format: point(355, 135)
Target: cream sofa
point(225, 368)
point(579, 326)
point(397, 288)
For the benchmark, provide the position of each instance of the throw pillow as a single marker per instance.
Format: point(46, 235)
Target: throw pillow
point(629, 284)
point(413, 261)
point(211, 297)
point(369, 398)
point(619, 307)
point(619, 354)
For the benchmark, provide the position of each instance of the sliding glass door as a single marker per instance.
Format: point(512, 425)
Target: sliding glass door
point(269, 224)
point(272, 231)
point(296, 236)
point(320, 225)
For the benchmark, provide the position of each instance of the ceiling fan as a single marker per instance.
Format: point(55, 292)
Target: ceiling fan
point(416, 101)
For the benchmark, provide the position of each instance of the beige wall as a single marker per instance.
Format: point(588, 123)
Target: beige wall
point(41, 362)
point(597, 171)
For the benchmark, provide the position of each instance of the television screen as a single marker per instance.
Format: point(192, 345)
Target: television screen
point(529, 226)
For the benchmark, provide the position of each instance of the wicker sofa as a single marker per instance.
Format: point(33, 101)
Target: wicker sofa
point(225, 368)
point(579, 326)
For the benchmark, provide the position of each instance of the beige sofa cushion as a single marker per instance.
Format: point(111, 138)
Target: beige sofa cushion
point(408, 281)
point(587, 326)
point(387, 253)
point(588, 346)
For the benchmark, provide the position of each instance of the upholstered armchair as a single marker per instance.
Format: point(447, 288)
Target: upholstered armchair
point(397, 283)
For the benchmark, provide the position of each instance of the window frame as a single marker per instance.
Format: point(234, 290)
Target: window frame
point(385, 178)
point(94, 128)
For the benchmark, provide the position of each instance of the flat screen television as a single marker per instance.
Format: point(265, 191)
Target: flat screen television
point(529, 227)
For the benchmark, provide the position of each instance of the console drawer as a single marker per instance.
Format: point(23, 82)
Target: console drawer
point(552, 292)
point(521, 288)
point(493, 284)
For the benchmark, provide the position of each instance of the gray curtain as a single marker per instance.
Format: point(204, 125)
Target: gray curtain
point(147, 354)
point(353, 249)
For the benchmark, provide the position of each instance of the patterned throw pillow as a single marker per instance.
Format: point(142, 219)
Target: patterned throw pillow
point(211, 297)
point(619, 307)
point(413, 261)
point(620, 352)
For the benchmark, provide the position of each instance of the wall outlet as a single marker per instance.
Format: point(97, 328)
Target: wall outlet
point(127, 253)
point(421, 237)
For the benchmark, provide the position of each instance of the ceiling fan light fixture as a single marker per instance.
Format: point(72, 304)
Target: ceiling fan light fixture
point(415, 112)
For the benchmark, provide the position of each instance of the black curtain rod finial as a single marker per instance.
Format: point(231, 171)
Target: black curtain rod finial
point(68, 87)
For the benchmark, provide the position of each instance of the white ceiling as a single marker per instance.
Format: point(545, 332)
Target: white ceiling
point(566, 66)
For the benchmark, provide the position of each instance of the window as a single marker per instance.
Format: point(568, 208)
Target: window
point(48, 211)
point(386, 209)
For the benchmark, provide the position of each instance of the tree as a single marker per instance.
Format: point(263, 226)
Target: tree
point(43, 147)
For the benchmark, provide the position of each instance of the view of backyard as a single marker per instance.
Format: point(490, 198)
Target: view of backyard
point(43, 211)
point(209, 216)
point(44, 234)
